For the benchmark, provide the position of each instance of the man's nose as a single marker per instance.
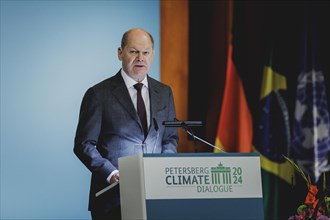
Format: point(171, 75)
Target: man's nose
point(140, 56)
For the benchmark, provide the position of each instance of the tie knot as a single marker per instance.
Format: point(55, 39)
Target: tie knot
point(138, 86)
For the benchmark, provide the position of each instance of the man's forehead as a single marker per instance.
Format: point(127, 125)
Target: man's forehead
point(139, 40)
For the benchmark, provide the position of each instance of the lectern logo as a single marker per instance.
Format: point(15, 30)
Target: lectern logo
point(226, 175)
point(218, 179)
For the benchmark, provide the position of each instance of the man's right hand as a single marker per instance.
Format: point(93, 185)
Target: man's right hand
point(114, 178)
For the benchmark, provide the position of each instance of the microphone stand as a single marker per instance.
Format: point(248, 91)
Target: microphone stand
point(189, 131)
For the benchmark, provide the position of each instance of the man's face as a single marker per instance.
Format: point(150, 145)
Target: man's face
point(137, 55)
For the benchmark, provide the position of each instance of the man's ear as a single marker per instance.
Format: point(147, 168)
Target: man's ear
point(120, 53)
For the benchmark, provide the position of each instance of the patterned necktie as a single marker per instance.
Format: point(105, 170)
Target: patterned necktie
point(141, 109)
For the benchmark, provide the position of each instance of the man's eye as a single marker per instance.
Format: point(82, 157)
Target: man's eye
point(146, 52)
point(133, 52)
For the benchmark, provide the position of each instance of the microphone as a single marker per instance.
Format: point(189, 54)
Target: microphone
point(182, 123)
point(156, 128)
point(186, 126)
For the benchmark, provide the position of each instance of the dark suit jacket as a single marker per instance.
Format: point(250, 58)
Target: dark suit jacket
point(109, 128)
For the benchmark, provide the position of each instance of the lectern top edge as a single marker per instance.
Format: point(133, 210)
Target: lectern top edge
point(203, 155)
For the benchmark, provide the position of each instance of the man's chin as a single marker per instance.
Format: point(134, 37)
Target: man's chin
point(139, 75)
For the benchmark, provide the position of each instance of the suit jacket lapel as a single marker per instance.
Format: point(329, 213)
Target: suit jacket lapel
point(121, 93)
point(154, 93)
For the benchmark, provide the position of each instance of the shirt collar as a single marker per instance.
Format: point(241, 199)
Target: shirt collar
point(131, 82)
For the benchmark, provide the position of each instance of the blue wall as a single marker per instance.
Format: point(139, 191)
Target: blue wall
point(51, 52)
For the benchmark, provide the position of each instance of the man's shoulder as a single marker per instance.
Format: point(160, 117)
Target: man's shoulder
point(108, 83)
point(155, 83)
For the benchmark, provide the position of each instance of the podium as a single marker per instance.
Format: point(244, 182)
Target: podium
point(191, 186)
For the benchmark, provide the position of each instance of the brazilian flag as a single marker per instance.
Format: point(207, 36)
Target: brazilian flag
point(272, 140)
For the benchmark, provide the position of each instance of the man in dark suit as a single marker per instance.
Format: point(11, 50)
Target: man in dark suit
point(109, 126)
